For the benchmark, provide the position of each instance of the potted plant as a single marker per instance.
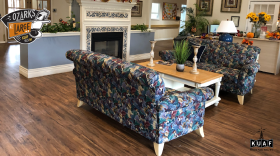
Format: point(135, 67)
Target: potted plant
point(194, 23)
point(182, 52)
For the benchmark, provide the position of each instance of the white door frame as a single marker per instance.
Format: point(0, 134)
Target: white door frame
point(248, 10)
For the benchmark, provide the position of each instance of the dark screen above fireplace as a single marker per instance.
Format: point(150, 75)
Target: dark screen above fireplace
point(109, 43)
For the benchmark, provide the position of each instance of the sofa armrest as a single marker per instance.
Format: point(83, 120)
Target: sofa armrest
point(191, 98)
point(250, 69)
point(167, 55)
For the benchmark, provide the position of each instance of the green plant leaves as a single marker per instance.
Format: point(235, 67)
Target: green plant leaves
point(60, 27)
point(198, 21)
point(182, 52)
point(142, 27)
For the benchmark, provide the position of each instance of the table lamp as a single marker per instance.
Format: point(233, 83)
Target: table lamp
point(225, 28)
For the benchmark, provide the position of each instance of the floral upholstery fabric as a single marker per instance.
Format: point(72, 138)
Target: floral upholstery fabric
point(167, 55)
point(136, 96)
point(237, 62)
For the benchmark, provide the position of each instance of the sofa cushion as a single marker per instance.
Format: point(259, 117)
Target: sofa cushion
point(204, 66)
point(167, 55)
point(230, 74)
point(172, 99)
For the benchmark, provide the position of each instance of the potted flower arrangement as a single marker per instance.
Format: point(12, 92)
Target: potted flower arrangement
point(262, 18)
point(182, 52)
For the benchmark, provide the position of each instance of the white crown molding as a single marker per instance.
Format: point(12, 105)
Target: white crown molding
point(37, 72)
point(114, 5)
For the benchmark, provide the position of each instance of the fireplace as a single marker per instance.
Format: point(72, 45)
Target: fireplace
point(109, 43)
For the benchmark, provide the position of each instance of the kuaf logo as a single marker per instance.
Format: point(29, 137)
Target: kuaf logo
point(25, 25)
point(261, 142)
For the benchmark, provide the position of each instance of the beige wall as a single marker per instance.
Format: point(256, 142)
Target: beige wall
point(2, 26)
point(159, 33)
point(62, 8)
point(145, 18)
point(34, 4)
point(217, 14)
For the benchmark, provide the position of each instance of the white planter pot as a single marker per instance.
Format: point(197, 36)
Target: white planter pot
point(180, 67)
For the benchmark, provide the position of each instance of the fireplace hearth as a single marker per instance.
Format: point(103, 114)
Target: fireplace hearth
point(109, 43)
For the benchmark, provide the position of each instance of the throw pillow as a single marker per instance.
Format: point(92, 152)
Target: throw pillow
point(199, 53)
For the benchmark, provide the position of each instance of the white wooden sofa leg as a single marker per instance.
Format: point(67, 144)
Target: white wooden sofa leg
point(80, 103)
point(251, 91)
point(200, 131)
point(217, 91)
point(240, 99)
point(158, 148)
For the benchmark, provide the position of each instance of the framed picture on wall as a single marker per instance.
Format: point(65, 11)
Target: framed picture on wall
point(233, 6)
point(136, 11)
point(235, 20)
point(169, 11)
point(206, 6)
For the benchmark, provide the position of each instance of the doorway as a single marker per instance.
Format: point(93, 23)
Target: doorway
point(13, 5)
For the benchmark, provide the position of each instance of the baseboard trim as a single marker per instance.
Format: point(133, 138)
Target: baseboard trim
point(139, 57)
point(162, 39)
point(37, 72)
point(3, 42)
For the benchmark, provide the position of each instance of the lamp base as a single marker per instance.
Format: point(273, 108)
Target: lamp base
point(225, 38)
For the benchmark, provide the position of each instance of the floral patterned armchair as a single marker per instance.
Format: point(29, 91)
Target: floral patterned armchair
point(237, 62)
point(136, 97)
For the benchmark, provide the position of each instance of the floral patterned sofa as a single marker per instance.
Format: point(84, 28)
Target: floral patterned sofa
point(136, 97)
point(237, 62)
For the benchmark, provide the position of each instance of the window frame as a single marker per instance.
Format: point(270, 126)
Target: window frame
point(155, 12)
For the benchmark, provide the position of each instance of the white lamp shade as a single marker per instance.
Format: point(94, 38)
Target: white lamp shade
point(227, 27)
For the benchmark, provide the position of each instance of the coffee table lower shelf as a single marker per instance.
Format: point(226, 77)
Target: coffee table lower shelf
point(179, 84)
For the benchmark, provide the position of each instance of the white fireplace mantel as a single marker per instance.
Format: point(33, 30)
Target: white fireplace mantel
point(98, 17)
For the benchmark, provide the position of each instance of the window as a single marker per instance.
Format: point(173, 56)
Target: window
point(14, 5)
point(155, 11)
point(42, 4)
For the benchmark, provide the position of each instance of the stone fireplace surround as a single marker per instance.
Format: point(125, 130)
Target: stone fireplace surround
point(112, 16)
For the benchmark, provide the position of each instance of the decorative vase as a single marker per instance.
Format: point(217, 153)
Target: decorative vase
point(256, 29)
point(180, 67)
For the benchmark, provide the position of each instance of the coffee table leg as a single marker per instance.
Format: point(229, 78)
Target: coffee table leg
point(217, 90)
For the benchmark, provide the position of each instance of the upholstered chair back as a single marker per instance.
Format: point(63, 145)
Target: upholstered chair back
point(225, 54)
point(106, 80)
